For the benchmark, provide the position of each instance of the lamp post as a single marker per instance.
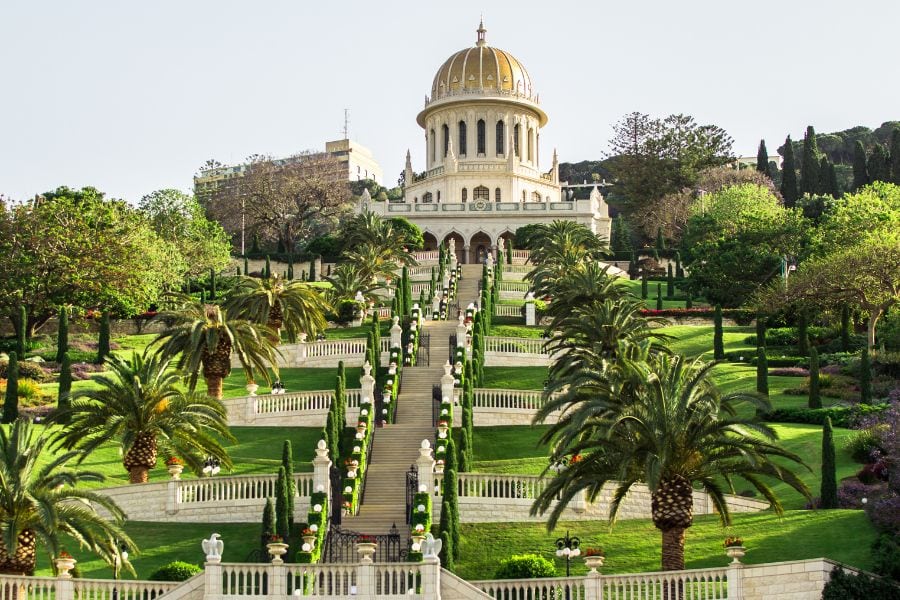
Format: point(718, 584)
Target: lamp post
point(211, 466)
point(568, 548)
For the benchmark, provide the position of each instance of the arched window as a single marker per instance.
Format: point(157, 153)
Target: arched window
point(481, 193)
point(462, 138)
point(497, 195)
point(465, 195)
point(446, 132)
point(501, 136)
point(433, 147)
point(516, 139)
point(480, 129)
point(530, 144)
point(426, 198)
point(535, 196)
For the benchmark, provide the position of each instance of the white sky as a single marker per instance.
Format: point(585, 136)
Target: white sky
point(134, 96)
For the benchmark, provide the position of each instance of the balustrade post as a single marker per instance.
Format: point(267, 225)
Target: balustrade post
point(425, 468)
point(735, 581)
point(365, 579)
point(172, 496)
point(431, 578)
point(396, 333)
point(277, 580)
point(530, 317)
point(367, 384)
point(322, 470)
point(447, 381)
point(593, 586)
point(65, 586)
point(252, 409)
point(212, 584)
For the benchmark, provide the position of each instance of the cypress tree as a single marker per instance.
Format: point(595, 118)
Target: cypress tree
point(860, 170)
point(659, 298)
point(643, 285)
point(312, 270)
point(845, 328)
point(789, 175)
point(760, 330)
point(63, 399)
point(290, 269)
point(212, 284)
point(689, 303)
point(331, 436)
point(832, 182)
point(660, 240)
point(202, 296)
point(865, 377)
point(407, 292)
point(22, 332)
point(254, 247)
point(879, 166)
point(718, 342)
point(464, 452)
point(803, 334)
point(809, 163)
point(237, 271)
point(287, 463)
point(103, 340)
point(269, 524)
point(11, 400)
point(303, 275)
point(632, 266)
point(762, 159)
point(246, 266)
point(828, 491)
point(62, 334)
point(394, 312)
point(267, 271)
point(679, 270)
point(282, 516)
point(895, 156)
point(670, 282)
point(762, 371)
point(509, 252)
point(815, 399)
point(446, 554)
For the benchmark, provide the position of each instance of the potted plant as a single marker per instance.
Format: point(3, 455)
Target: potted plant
point(309, 536)
point(593, 558)
point(252, 387)
point(277, 548)
point(175, 467)
point(365, 546)
point(443, 426)
point(734, 549)
point(65, 563)
point(418, 534)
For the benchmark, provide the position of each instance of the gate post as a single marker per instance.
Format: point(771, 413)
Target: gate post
point(447, 382)
point(322, 470)
point(425, 468)
point(431, 578)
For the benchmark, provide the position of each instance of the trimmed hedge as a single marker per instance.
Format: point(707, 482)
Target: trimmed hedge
point(525, 566)
point(175, 571)
point(841, 416)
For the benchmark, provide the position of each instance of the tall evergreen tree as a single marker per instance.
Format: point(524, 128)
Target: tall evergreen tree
point(879, 164)
point(246, 267)
point(809, 163)
point(269, 524)
point(446, 554)
point(789, 189)
point(212, 284)
point(760, 330)
point(464, 452)
point(312, 270)
point(803, 334)
point(865, 377)
point(62, 334)
point(762, 371)
point(621, 237)
point(63, 399)
point(11, 400)
point(815, 398)
point(828, 491)
point(860, 169)
point(267, 272)
point(287, 463)
point(282, 516)
point(644, 284)
point(659, 297)
point(762, 159)
point(22, 332)
point(660, 240)
point(679, 270)
point(895, 156)
point(290, 269)
point(718, 339)
point(103, 338)
point(670, 282)
point(845, 328)
point(828, 185)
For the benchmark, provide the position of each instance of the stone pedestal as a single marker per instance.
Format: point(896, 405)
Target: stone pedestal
point(322, 469)
point(396, 333)
point(530, 313)
point(447, 381)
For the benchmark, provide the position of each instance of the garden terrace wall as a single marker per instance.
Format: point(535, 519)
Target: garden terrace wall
point(493, 406)
point(291, 409)
point(515, 352)
point(792, 580)
point(319, 354)
point(235, 499)
point(490, 498)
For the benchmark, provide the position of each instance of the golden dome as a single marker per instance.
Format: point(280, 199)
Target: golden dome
point(482, 69)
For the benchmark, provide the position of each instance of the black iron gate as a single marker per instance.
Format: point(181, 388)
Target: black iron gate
point(412, 486)
point(340, 546)
point(423, 358)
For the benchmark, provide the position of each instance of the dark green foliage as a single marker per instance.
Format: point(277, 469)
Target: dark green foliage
point(212, 284)
point(845, 328)
point(246, 266)
point(886, 556)
point(464, 452)
point(815, 398)
point(828, 490)
point(860, 170)
point(828, 184)
point(331, 435)
point(718, 342)
point(803, 334)
point(895, 156)
point(809, 163)
point(509, 256)
point(643, 285)
point(254, 247)
point(103, 339)
point(287, 463)
point(267, 270)
point(789, 189)
point(760, 330)
point(446, 555)
point(679, 271)
point(670, 282)
point(312, 270)
point(282, 516)
point(689, 303)
point(865, 377)
point(762, 371)
point(11, 400)
point(22, 332)
point(843, 586)
point(237, 271)
point(269, 523)
point(879, 165)
point(525, 566)
point(175, 571)
point(290, 269)
point(621, 236)
point(202, 296)
point(63, 401)
point(407, 291)
point(659, 297)
point(62, 334)
point(660, 240)
point(762, 159)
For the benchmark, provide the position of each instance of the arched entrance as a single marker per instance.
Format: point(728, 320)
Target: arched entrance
point(430, 241)
point(479, 247)
point(505, 238)
point(458, 239)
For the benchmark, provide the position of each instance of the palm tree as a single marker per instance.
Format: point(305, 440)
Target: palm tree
point(40, 503)
point(373, 262)
point(293, 305)
point(345, 281)
point(554, 240)
point(141, 406)
point(203, 337)
point(661, 421)
point(369, 229)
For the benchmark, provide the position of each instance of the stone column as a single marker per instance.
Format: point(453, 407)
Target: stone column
point(735, 581)
point(367, 384)
point(530, 315)
point(452, 247)
point(461, 331)
point(436, 301)
point(396, 333)
point(365, 579)
point(593, 586)
point(431, 578)
point(465, 254)
point(322, 469)
point(65, 587)
point(277, 580)
point(447, 381)
point(425, 468)
point(172, 496)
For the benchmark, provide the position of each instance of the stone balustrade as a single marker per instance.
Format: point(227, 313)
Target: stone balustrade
point(420, 271)
point(294, 409)
point(426, 256)
point(514, 286)
point(420, 286)
point(515, 352)
point(318, 354)
point(494, 406)
point(14, 587)
point(571, 588)
point(508, 310)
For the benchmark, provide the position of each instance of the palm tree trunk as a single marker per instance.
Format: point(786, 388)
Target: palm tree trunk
point(673, 549)
point(140, 458)
point(22, 562)
point(214, 386)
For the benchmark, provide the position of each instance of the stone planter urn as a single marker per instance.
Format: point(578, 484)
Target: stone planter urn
point(309, 539)
point(418, 538)
point(360, 429)
point(442, 429)
point(594, 562)
point(64, 564)
point(175, 471)
point(276, 551)
point(251, 388)
point(736, 553)
point(366, 551)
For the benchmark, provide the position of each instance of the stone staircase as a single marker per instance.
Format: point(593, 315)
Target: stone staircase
point(395, 447)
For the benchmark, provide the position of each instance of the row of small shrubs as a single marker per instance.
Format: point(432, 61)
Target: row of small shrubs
point(841, 416)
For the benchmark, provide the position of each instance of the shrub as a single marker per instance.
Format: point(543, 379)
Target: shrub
point(175, 571)
point(851, 493)
point(873, 472)
point(841, 416)
point(525, 566)
point(789, 372)
point(27, 368)
point(885, 514)
point(886, 556)
point(843, 586)
point(861, 444)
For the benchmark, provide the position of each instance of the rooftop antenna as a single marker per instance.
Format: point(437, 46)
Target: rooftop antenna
point(346, 123)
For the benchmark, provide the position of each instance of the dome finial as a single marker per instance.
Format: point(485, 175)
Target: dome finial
point(481, 31)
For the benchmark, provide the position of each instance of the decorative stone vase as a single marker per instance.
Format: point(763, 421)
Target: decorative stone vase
point(442, 429)
point(276, 551)
point(63, 566)
point(736, 553)
point(175, 471)
point(251, 388)
point(360, 429)
point(594, 562)
point(418, 538)
point(309, 539)
point(366, 551)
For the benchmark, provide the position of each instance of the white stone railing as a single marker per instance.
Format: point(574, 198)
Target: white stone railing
point(421, 270)
point(528, 400)
point(513, 345)
point(341, 580)
point(320, 353)
point(520, 257)
point(14, 587)
point(384, 312)
point(518, 269)
point(294, 409)
point(349, 347)
point(419, 287)
point(549, 588)
point(514, 286)
point(508, 310)
point(426, 256)
point(235, 488)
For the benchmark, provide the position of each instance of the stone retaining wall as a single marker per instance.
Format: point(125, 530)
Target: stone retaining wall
point(794, 580)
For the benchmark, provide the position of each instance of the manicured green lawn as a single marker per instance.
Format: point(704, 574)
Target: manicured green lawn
point(697, 340)
point(294, 380)
point(634, 286)
point(509, 449)
point(361, 331)
point(522, 331)
point(634, 546)
point(515, 378)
